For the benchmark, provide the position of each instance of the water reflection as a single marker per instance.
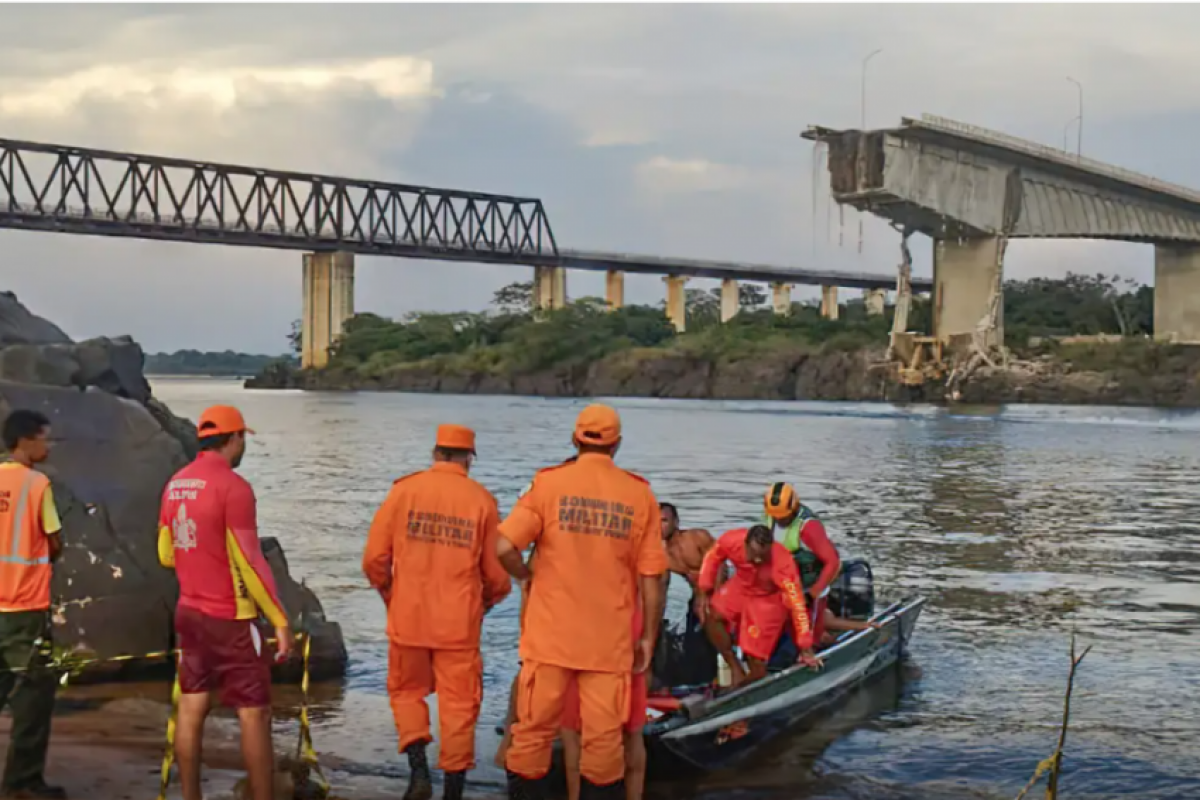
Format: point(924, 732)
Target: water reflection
point(1022, 525)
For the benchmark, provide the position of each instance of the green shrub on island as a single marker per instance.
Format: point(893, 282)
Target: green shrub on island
point(510, 338)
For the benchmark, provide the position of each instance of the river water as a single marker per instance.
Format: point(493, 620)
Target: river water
point(1021, 525)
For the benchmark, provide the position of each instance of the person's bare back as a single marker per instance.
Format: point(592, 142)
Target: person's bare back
point(685, 549)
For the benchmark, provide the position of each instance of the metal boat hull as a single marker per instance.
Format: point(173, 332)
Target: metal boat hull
point(724, 731)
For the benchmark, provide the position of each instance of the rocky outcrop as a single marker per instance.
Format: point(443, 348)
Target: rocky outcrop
point(114, 448)
point(1123, 373)
point(788, 375)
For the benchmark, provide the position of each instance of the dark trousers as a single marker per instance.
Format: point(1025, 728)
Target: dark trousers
point(29, 694)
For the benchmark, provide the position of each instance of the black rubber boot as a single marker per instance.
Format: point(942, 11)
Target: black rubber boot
point(420, 785)
point(590, 791)
point(454, 785)
point(524, 789)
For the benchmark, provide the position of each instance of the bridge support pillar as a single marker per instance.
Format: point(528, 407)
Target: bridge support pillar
point(328, 303)
point(729, 299)
point(781, 298)
point(829, 302)
point(676, 301)
point(549, 288)
point(964, 275)
point(875, 301)
point(1177, 294)
point(614, 289)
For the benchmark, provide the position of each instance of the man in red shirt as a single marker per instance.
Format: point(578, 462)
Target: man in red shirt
point(209, 534)
point(754, 604)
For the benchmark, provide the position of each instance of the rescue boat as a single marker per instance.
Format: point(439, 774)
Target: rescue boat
point(707, 728)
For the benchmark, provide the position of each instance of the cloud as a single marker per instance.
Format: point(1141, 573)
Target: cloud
point(150, 88)
point(664, 174)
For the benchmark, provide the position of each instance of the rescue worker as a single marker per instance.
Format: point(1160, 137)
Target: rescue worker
point(599, 547)
point(803, 535)
point(31, 540)
point(754, 604)
point(431, 554)
point(635, 744)
point(209, 534)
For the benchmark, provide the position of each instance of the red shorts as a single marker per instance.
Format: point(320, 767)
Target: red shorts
point(637, 706)
point(228, 656)
point(757, 621)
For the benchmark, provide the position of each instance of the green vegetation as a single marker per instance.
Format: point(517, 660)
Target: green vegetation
point(194, 362)
point(511, 339)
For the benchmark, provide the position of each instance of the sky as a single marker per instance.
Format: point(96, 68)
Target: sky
point(660, 129)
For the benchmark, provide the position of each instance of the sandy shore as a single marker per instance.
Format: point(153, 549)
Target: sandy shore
point(106, 748)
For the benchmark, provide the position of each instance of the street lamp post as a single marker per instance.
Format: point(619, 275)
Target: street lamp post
point(1066, 129)
point(1079, 140)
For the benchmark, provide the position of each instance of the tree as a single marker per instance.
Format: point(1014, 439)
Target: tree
point(751, 296)
point(296, 337)
point(515, 298)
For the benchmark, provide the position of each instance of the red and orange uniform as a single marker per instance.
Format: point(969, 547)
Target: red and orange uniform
point(208, 533)
point(756, 602)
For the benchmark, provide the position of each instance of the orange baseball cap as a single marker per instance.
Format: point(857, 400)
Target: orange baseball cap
point(599, 425)
point(219, 420)
point(456, 437)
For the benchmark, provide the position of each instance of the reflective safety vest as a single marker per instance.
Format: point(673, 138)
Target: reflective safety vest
point(806, 560)
point(24, 546)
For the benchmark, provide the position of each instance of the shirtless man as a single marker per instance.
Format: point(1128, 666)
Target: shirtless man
point(685, 549)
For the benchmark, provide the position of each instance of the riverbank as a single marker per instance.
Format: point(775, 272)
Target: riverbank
point(1123, 373)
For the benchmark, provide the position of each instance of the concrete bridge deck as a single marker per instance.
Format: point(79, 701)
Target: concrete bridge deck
point(971, 190)
point(949, 179)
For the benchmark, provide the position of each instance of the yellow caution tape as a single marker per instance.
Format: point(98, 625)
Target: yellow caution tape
point(304, 747)
point(169, 755)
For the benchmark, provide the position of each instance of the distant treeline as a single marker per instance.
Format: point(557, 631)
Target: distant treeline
point(195, 362)
point(509, 338)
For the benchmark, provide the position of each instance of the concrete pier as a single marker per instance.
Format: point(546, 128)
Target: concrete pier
point(781, 298)
point(1176, 289)
point(875, 301)
point(677, 301)
point(614, 289)
point(829, 302)
point(328, 288)
point(549, 288)
point(964, 275)
point(729, 299)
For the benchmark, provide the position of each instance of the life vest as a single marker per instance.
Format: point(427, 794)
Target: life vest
point(24, 547)
point(806, 560)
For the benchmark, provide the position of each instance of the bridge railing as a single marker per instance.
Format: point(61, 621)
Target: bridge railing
point(85, 191)
point(1059, 156)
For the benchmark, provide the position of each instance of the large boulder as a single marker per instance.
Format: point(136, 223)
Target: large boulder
point(114, 447)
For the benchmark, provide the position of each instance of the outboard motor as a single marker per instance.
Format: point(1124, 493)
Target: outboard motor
point(852, 594)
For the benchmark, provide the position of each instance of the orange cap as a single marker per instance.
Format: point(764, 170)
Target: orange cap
point(456, 437)
point(599, 425)
point(219, 420)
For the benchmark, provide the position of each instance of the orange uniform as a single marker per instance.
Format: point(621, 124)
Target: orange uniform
point(597, 529)
point(756, 601)
point(27, 518)
point(432, 551)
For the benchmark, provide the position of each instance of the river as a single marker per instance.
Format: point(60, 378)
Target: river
point(1021, 525)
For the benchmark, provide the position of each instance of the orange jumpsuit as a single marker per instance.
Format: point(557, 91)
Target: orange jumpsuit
point(596, 528)
point(432, 548)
